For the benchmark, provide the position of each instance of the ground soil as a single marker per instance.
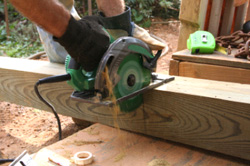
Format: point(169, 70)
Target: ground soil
point(25, 128)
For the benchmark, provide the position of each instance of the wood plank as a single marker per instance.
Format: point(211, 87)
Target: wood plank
point(174, 67)
point(216, 58)
point(208, 114)
point(112, 147)
point(240, 16)
point(214, 72)
point(227, 19)
point(215, 16)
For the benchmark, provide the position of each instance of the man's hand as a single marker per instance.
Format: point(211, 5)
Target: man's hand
point(85, 41)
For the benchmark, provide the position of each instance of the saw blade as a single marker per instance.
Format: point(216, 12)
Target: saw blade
point(128, 75)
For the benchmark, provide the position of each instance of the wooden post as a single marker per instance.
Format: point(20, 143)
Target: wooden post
point(6, 18)
point(214, 21)
point(227, 19)
point(203, 12)
point(90, 7)
point(189, 21)
point(83, 7)
point(240, 16)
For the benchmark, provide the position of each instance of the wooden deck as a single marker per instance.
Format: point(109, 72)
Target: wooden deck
point(212, 115)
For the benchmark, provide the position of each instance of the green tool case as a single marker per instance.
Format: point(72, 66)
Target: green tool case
point(201, 42)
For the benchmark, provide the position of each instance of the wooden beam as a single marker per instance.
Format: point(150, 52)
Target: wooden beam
point(214, 72)
point(208, 114)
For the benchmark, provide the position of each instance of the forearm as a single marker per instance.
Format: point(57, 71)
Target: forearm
point(48, 14)
point(111, 7)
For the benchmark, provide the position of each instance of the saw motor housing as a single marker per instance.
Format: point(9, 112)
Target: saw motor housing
point(130, 63)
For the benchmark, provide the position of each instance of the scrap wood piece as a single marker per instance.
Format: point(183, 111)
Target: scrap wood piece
point(127, 148)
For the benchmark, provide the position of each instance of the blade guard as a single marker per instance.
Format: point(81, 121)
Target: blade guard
point(122, 46)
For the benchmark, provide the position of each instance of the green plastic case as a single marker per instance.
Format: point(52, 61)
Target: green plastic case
point(201, 42)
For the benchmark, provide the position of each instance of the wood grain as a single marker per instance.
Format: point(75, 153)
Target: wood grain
point(216, 58)
point(112, 147)
point(208, 114)
point(214, 72)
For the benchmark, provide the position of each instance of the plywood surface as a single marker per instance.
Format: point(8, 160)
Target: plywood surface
point(112, 147)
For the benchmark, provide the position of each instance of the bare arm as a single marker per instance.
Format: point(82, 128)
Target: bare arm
point(111, 7)
point(48, 14)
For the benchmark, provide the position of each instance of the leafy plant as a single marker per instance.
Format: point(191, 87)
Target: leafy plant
point(144, 10)
point(23, 40)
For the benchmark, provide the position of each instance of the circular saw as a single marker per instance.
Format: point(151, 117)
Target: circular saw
point(125, 73)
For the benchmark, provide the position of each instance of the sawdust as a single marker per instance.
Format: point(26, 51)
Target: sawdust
point(120, 156)
point(158, 162)
point(80, 143)
point(116, 108)
point(68, 154)
point(91, 131)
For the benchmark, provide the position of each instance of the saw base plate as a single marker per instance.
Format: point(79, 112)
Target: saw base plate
point(95, 97)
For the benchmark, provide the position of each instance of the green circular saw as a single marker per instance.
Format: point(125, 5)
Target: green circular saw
point(129, 63)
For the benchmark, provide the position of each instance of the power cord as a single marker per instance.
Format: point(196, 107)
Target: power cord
point(6, 160)
point(52, 79)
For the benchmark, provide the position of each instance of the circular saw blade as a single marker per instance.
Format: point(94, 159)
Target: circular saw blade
point(128, 75)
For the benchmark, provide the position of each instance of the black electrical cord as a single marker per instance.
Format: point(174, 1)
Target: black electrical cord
point(52, 79)
point(6, 160)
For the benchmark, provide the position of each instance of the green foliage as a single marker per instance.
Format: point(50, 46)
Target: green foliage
point(23, 40)
point(143, 10)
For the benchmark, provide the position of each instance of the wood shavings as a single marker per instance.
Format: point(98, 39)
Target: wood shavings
point(158, 162)
point(119, 157)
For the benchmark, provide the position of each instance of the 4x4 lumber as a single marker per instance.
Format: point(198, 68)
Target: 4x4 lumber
point(208, 114)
